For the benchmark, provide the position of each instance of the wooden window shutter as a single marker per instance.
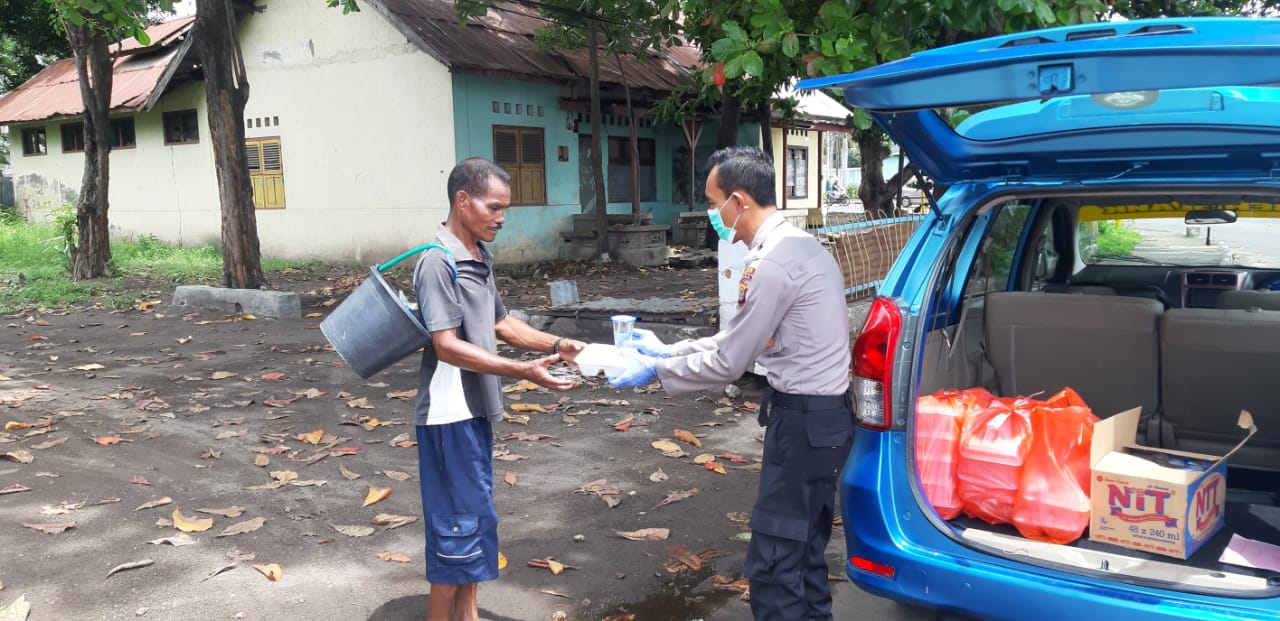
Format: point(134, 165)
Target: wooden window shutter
point(533, 178)
point(266, 172)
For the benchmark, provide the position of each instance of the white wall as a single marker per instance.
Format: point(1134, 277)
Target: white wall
point(366, 127)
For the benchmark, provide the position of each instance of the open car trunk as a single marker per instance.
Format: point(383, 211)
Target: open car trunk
point(1026, 304)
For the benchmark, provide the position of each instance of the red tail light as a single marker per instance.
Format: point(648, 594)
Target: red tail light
point(879, 569)
point(873, 365)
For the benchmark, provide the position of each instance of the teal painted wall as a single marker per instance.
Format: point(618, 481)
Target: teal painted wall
point(532, 233)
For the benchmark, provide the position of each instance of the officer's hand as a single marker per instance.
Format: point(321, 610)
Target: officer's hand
point(648, 343)
point(537, 372)
point(639, 371)
point(569, 349)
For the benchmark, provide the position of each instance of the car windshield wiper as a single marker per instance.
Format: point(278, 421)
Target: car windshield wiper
point(1129, 258)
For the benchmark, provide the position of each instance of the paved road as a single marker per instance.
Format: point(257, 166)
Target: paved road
point(1253, 243)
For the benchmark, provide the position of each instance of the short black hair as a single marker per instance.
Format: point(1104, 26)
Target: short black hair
point(472, 176)
point(748, 169)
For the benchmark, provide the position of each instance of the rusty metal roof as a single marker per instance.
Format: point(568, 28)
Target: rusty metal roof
point(139, 74)
point(500, 44)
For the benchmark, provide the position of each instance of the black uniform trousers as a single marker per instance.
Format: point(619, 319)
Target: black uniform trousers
point(806, 443)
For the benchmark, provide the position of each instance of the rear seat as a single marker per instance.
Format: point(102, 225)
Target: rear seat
point(1106, 347)
point(1265, 300)
point(1214, 363)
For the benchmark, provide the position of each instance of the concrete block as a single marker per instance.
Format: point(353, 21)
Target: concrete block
point(564, 292)
point(278, 304)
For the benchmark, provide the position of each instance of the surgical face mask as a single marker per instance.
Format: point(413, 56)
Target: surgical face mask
point(725, 232)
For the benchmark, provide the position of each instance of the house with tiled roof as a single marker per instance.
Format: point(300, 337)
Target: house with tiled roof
point(352, 125)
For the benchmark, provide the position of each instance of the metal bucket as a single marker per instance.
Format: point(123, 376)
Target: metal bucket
point(373, 329)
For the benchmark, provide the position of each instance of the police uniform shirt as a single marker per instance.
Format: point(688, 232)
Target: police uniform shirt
point(791, 309)
point(447, 393)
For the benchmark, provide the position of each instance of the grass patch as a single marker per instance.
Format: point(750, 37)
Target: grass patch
point(1116, 240)
point(34, 274)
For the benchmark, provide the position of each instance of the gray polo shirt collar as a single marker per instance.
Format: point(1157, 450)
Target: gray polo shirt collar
point(460, 250)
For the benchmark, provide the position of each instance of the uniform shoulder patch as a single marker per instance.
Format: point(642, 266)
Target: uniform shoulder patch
point(742, 285)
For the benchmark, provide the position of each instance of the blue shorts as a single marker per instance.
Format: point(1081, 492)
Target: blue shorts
point(455, 465)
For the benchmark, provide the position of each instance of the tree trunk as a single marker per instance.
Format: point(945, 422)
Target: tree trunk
point(91, 252)
point(727, 135)
point(597, 149)
point(635, 144)
point(226, 93)
point(872, 190)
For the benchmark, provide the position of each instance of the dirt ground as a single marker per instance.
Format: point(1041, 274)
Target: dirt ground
point(119, 424)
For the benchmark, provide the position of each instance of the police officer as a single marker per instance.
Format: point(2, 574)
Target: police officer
point(793, 318)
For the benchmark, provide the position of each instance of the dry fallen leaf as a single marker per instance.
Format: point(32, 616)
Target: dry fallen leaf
point(403, 394)
point(240, 528)
point(521, 386)
point(715, 466)
point(90, 367)
point(362, 403)
point(15, 426)
point(347, 474)
point(271, 377)
point(134, 565)
point(217, 375)
point(393, 556)
point(509, 478)
point(527, 407)
point(376, 494)
point(676, 497)
point(704, 458)
point(311, 438)
point(190, 524)
point(271, 570)
point(645, 534)
point(178, 540)
point(392, 521)
point(51, 529)
point(261, 461)
point(397, 475)
point(20, 456)
point(658, 476)
point(159, 502)
point(15, 488)
point(687, 438)
point(666, 446)
point(353, 531)
point(502, 561)
point(107, 440)
point(284, 476)
point(228, 512)
point(50, 444)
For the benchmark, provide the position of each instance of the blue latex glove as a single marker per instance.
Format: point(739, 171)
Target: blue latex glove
point(648, 343)
point(639, 371)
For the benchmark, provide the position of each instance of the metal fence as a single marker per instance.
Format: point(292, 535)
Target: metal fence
point(865, 245)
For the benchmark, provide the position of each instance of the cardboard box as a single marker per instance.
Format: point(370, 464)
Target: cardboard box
point(1155, 500)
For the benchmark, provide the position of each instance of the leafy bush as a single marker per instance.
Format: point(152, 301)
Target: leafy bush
point(1115, 240)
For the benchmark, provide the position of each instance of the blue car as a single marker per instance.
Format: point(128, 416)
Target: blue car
point(1106, 220)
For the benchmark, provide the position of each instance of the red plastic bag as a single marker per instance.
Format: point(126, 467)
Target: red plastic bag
point(1052, 504)
point(993, 445)
point(938, 421)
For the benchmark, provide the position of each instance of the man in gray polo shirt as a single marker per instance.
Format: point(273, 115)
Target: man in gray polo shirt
point(458, 391)
point(793, 317)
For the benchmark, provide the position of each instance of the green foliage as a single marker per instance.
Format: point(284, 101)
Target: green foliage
point(63, 242)
point(115, 19)
point(29, 279)
point(27, 34)
point(1115, 240)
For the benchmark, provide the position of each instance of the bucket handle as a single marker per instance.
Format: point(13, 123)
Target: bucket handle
point(453, 268)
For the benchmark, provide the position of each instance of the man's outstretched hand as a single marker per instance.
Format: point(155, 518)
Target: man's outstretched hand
point(538, 372)
point(569, 349)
